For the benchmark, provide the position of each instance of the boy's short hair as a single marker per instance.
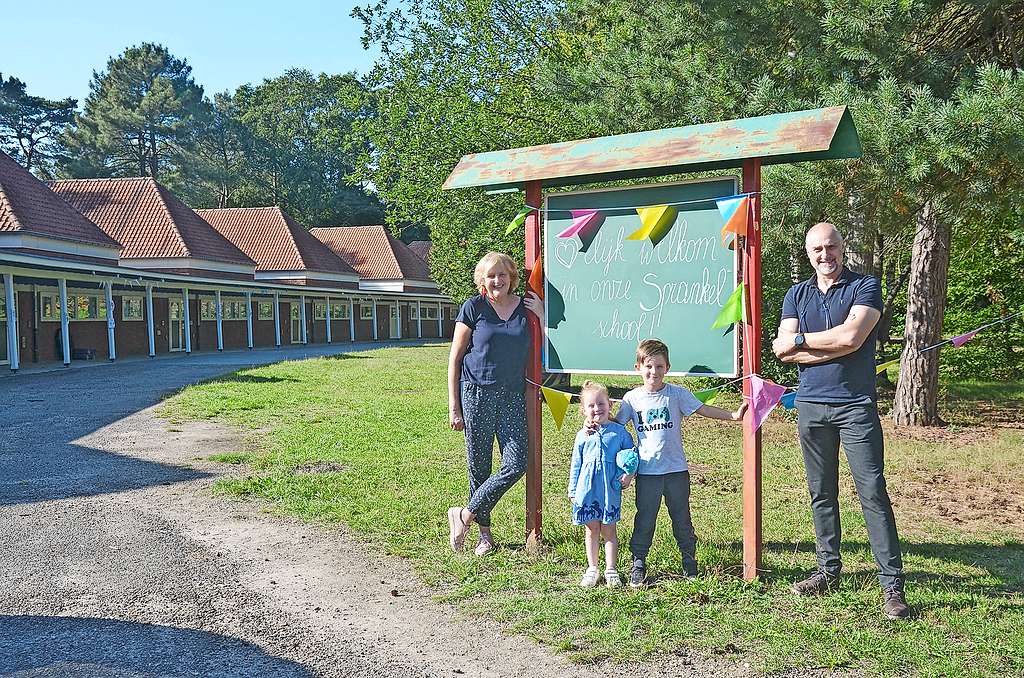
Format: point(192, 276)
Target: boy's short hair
point(649, 348)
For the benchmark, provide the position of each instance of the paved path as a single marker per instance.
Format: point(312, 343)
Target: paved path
point(117, 558)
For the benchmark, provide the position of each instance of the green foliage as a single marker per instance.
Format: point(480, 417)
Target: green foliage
point(298, 150)
point(331, 441)
point(137, 118)
point(30, 126)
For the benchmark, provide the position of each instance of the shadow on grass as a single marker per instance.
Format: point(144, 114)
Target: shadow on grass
point(1003, 563)
point(347, 356)
point(249, 379)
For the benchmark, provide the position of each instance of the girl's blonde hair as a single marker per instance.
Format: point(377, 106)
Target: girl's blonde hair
point(489, 261)
point(593, 387)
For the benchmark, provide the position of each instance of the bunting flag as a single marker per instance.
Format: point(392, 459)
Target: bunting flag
point(519, 220)
point(707, 397)
point(581, 220)
point(962, 339)
point(732, 311)
point(884, 366)
point(655, 222)
point(788, 401)
point(736, 211)
point(536, 282)
point(764, 396)
point(558, 403)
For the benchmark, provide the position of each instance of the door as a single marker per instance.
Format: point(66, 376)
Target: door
point(176, 325)
point(296, 323)
point(395, 334)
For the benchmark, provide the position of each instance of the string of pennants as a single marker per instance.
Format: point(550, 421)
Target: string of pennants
point(765, 395)
point(655, 220)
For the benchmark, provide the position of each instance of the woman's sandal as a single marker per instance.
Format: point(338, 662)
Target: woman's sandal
point(457, 529)
point(485, 545)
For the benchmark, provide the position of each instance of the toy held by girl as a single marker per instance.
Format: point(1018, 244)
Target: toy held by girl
point(596, 482)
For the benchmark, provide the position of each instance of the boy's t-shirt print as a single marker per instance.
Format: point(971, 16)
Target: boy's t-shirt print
point(657, 417)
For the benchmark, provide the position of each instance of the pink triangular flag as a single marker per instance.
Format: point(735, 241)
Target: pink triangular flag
point(580, 220)
point(764, 396)
point(962, 339)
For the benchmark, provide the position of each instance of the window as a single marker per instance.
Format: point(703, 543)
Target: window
point(453, 312)
point(319, 310)
point(207, 309)
point(295, 311)
point(430, 312)
point(366, 311)
point(233, 309)
point(265, 310)
point(339, 310)
point(3, 307)
point(80, 307)
point(131, 308)
point(414, 312)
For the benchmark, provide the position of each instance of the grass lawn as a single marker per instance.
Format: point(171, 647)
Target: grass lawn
point(363, 439)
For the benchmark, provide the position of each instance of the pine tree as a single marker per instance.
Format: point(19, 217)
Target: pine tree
point(31, 126)
point(136, 120)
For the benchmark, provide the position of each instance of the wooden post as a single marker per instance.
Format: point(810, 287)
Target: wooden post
point(108, 293)
point(752, 365)
point(150, 328)
point(534, 480)
point(13, 350)
point(218, 314)
point(248, 319)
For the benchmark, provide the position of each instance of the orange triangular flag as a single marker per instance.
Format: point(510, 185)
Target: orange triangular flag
point(536, 282)
point(736, 213)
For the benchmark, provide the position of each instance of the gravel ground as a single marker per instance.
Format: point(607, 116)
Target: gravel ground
point(118, 560)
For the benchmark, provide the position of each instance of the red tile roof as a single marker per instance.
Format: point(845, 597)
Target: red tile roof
point(274, 240)
point(150, 221)
point(421, 248)
point(373, 252)
point(28, 206)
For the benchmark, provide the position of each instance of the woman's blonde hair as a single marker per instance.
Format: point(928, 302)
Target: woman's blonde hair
point(489, 261)
point(593, 387)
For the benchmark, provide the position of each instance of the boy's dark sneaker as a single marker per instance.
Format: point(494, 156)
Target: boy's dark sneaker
point(638, 575)
point(895, 605)
point(689, 572)
point(817, 584)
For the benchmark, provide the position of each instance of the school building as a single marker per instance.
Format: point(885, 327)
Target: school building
point(93, 269)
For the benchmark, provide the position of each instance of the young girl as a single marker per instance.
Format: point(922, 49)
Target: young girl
point(595, 482)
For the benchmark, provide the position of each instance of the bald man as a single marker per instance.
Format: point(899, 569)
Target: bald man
point(828, 329)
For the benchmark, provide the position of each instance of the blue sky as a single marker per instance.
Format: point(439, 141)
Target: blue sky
point(58, 44)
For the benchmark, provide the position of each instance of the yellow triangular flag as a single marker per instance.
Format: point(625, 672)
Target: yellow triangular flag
point(558, 403)
point(654, 221)
point(882, 368)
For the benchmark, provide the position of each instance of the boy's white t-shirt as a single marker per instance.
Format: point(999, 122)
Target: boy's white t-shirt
point(657, 417)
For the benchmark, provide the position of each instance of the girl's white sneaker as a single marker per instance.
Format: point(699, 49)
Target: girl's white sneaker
point(590, 578)
point(612, 579)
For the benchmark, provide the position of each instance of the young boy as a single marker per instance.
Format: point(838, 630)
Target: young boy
point(657, 410)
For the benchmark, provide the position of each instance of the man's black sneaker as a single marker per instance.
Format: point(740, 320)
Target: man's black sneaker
point(817, 584)
point(895, 605)
point(638, 575)
point(689, 571)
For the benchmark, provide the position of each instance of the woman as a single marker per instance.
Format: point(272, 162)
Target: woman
point(486, 391)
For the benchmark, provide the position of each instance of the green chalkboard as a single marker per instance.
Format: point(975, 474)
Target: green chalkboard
point(605, 293)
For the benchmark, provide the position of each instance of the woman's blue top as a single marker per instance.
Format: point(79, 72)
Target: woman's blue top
point(498, 348)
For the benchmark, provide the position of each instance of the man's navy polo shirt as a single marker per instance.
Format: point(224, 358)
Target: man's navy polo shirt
point(851, 378)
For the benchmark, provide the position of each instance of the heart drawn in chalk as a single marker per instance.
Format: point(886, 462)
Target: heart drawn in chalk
point(566, 252)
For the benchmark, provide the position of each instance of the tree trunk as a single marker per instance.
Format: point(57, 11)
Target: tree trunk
point(916, 400)
point(796, 256)
point(860, 241)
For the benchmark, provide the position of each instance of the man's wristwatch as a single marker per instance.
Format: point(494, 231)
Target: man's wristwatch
point(798, 340)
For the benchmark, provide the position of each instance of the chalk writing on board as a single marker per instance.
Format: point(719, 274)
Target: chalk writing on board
point(606, 293)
